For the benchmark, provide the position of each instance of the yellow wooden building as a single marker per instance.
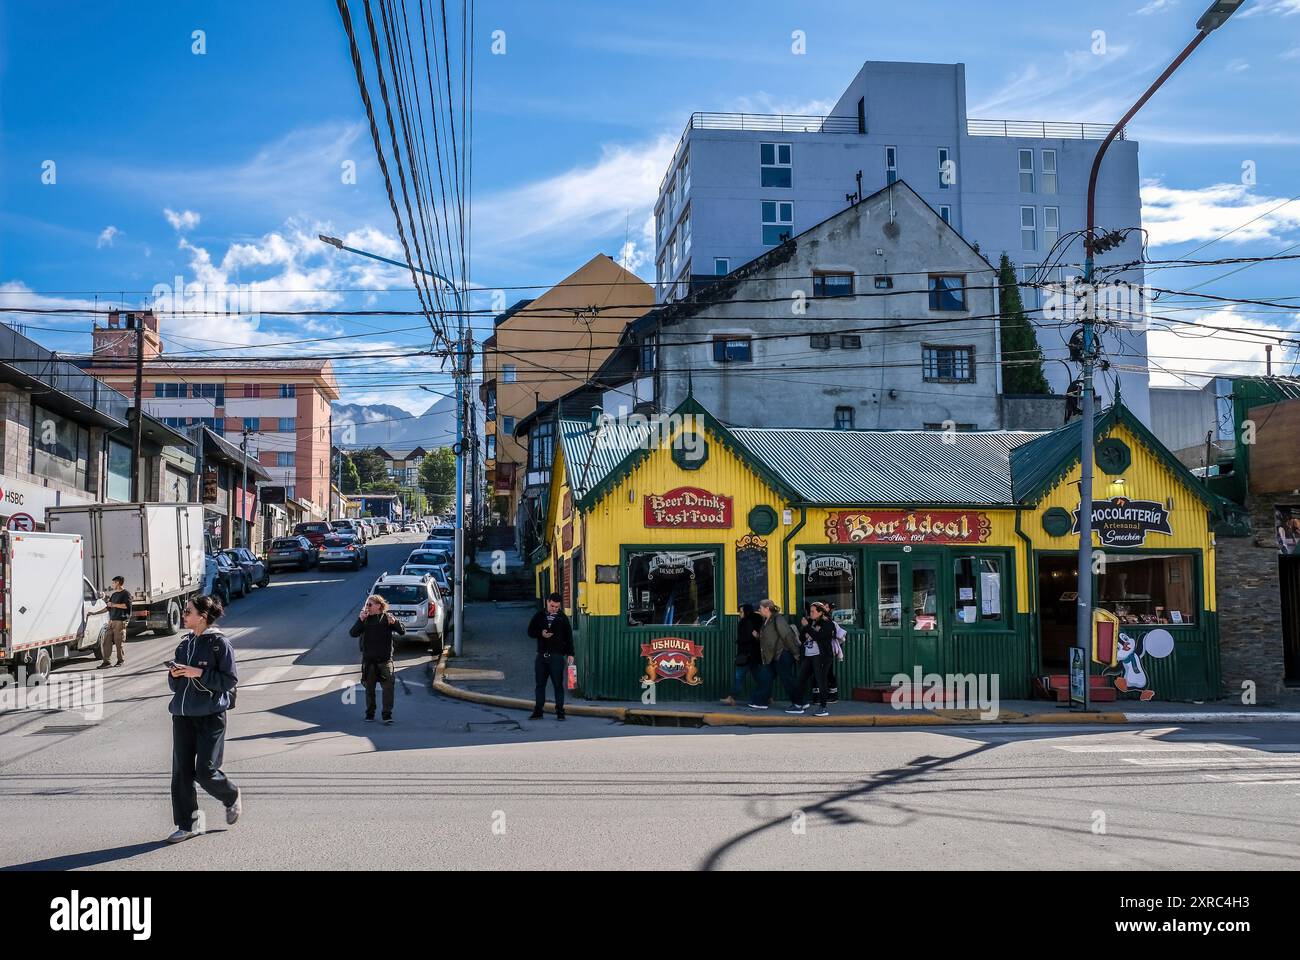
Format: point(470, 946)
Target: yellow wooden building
point(952, 553)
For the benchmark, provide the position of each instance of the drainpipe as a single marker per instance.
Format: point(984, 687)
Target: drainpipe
point(785, 557)
point(1031, 588)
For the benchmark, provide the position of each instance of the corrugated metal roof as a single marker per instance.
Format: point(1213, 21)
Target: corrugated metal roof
point(1275, 388)
point(864, 466)
point(590, 457)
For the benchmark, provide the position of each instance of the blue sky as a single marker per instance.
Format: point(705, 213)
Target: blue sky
point(223, 167)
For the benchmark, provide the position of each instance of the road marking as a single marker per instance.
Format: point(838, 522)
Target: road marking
point(324, 677)
point(265, 677)
point(1275, 761)
point(1149, 746)
point(1252, 778)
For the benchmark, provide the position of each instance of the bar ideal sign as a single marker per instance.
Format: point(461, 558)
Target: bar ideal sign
point(688, 508)
point(908, 526)
point(1121, 522)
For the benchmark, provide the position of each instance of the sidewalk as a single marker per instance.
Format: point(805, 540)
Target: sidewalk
point(496, 667)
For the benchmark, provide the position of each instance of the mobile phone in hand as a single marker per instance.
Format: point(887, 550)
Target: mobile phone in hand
point(170, 664)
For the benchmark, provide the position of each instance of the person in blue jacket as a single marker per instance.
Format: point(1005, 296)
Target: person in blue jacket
point(202, 678)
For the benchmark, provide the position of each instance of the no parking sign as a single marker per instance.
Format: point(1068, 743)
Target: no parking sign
point(23, 522)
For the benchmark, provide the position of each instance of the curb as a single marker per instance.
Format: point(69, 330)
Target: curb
point(938, 718)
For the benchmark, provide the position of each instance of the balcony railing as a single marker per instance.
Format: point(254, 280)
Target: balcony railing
point(1039, 128)
point(68, 386)
point(773, 123)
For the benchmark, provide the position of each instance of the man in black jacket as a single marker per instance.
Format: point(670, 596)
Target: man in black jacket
point(376, 627)
point(554, 636)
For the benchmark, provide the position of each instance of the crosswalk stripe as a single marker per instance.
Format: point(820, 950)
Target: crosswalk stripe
point(325, 677)
point(1200, 761)
point(264, 677)
point(1150, 747)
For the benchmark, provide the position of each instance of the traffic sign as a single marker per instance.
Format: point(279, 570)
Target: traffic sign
point(23, 522)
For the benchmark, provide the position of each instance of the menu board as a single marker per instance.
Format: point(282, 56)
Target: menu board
point(751, 572)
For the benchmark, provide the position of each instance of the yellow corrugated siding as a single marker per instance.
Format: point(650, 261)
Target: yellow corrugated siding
point(619, 519)
point(1145, 479)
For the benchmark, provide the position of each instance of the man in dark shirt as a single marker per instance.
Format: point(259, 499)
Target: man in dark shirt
point(554, 636)
point(376, 628)
point(119, 614)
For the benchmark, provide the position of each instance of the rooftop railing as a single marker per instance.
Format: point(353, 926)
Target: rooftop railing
point(773, 123)
point(1039, 128)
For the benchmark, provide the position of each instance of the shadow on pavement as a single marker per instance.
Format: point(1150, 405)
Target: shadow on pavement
point(90, 858)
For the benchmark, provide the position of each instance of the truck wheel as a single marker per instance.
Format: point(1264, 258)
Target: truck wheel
point(173, 621)
point(38, 670)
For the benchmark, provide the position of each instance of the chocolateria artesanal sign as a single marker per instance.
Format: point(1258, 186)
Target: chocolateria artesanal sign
point(687, 508)
point(1121, 522)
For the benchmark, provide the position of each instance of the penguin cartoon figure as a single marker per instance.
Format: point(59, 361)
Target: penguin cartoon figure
point(1157, 643)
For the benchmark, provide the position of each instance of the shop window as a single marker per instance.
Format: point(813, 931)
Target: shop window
point(978, 582)
point(60, 449)
point(889, 600)
point(833, 579)
point(1149, 588)
point(667, 587)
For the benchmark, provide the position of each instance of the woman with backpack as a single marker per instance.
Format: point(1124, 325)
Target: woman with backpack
point(778, 646)
point(817, 636)
point(203, 677)
point(749, 655)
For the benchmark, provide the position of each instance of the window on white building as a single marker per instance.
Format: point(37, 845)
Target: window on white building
point(948, 364)
point(1051, 226)
point(778, 221)
point(843, 418)
point(891, 164)
point(1049, 171)
point(947, 169)
point(1028, 229)
point(1026, 171)
point(686, 234)
point(1029, 295)
point(945, 214)
point(775, 167)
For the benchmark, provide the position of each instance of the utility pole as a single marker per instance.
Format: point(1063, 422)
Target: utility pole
point(137, 434)
point(243, 492)
point(1212, 19)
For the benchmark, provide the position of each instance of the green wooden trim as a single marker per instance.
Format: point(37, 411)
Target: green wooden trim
point(719, 583)
point(763, 520)
point(1004, 624)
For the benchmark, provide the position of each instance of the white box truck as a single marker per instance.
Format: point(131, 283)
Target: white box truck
point(157, 547)
point(48, 610)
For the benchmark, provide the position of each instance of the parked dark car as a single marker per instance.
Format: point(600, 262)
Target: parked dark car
point(231, 580)
point(297, 552)
point(314, 530)
point(344, 548)
point(256, 570)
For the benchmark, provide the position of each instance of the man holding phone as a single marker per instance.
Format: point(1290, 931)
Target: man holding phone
point(554, 636)
point(119, 614)
point(376, 628)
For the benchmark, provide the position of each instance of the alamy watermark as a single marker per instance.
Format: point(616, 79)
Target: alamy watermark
point(73, 693)
point(1116, 303)
point(956, 691)
point(685, 431)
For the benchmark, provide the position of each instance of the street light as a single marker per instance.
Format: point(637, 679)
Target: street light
point(1211, 20)
point(458, 615)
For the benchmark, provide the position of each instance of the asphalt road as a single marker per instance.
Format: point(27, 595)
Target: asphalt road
point(457, 786)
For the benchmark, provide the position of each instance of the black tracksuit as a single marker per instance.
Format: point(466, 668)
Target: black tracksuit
point(816, 666)
point(552, 655)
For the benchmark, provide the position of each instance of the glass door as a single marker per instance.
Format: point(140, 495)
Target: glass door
point(905, 613)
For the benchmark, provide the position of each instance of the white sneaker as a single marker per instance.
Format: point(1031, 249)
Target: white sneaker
point(758, 706)
point(235, 809)
point(180, 835)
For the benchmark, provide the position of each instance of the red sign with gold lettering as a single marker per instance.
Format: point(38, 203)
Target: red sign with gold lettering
point(908, 526)
point(687, 508)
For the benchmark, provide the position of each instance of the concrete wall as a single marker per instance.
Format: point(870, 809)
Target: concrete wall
point(917, 108)
point(790, 384)
point(1032, 413)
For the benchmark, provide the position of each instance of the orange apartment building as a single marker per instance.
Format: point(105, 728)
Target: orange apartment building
point(283, 404)
point(543, 348)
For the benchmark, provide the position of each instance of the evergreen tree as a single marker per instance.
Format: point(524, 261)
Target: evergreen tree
point(1022, 358)
point(371, 468)
point(349, 479)
point(438, 479)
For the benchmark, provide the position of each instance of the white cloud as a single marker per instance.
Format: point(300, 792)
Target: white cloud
point(1155, 6)
point(106, 236)
point(1172, 215)
point(578, 205)
point(766, 103)
point(1283, 8)
point(1053, 92)
point(185, 220)
point(1237, 66)
point(1292, 54)
point(1180, 347)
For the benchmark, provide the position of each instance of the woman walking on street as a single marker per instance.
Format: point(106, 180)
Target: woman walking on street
point(816, 633)
point(749, 657)
point(202, 677)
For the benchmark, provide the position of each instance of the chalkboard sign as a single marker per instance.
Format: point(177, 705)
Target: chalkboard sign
point(751, 574)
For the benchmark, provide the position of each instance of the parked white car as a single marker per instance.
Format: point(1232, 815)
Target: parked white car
point(418, 604)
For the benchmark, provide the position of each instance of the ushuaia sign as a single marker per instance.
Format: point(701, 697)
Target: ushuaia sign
point(672, 658)
point(908, 526)
point(687, 508)
point(1120, 522)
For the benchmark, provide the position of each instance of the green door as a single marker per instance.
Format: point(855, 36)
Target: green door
point(904, 613)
